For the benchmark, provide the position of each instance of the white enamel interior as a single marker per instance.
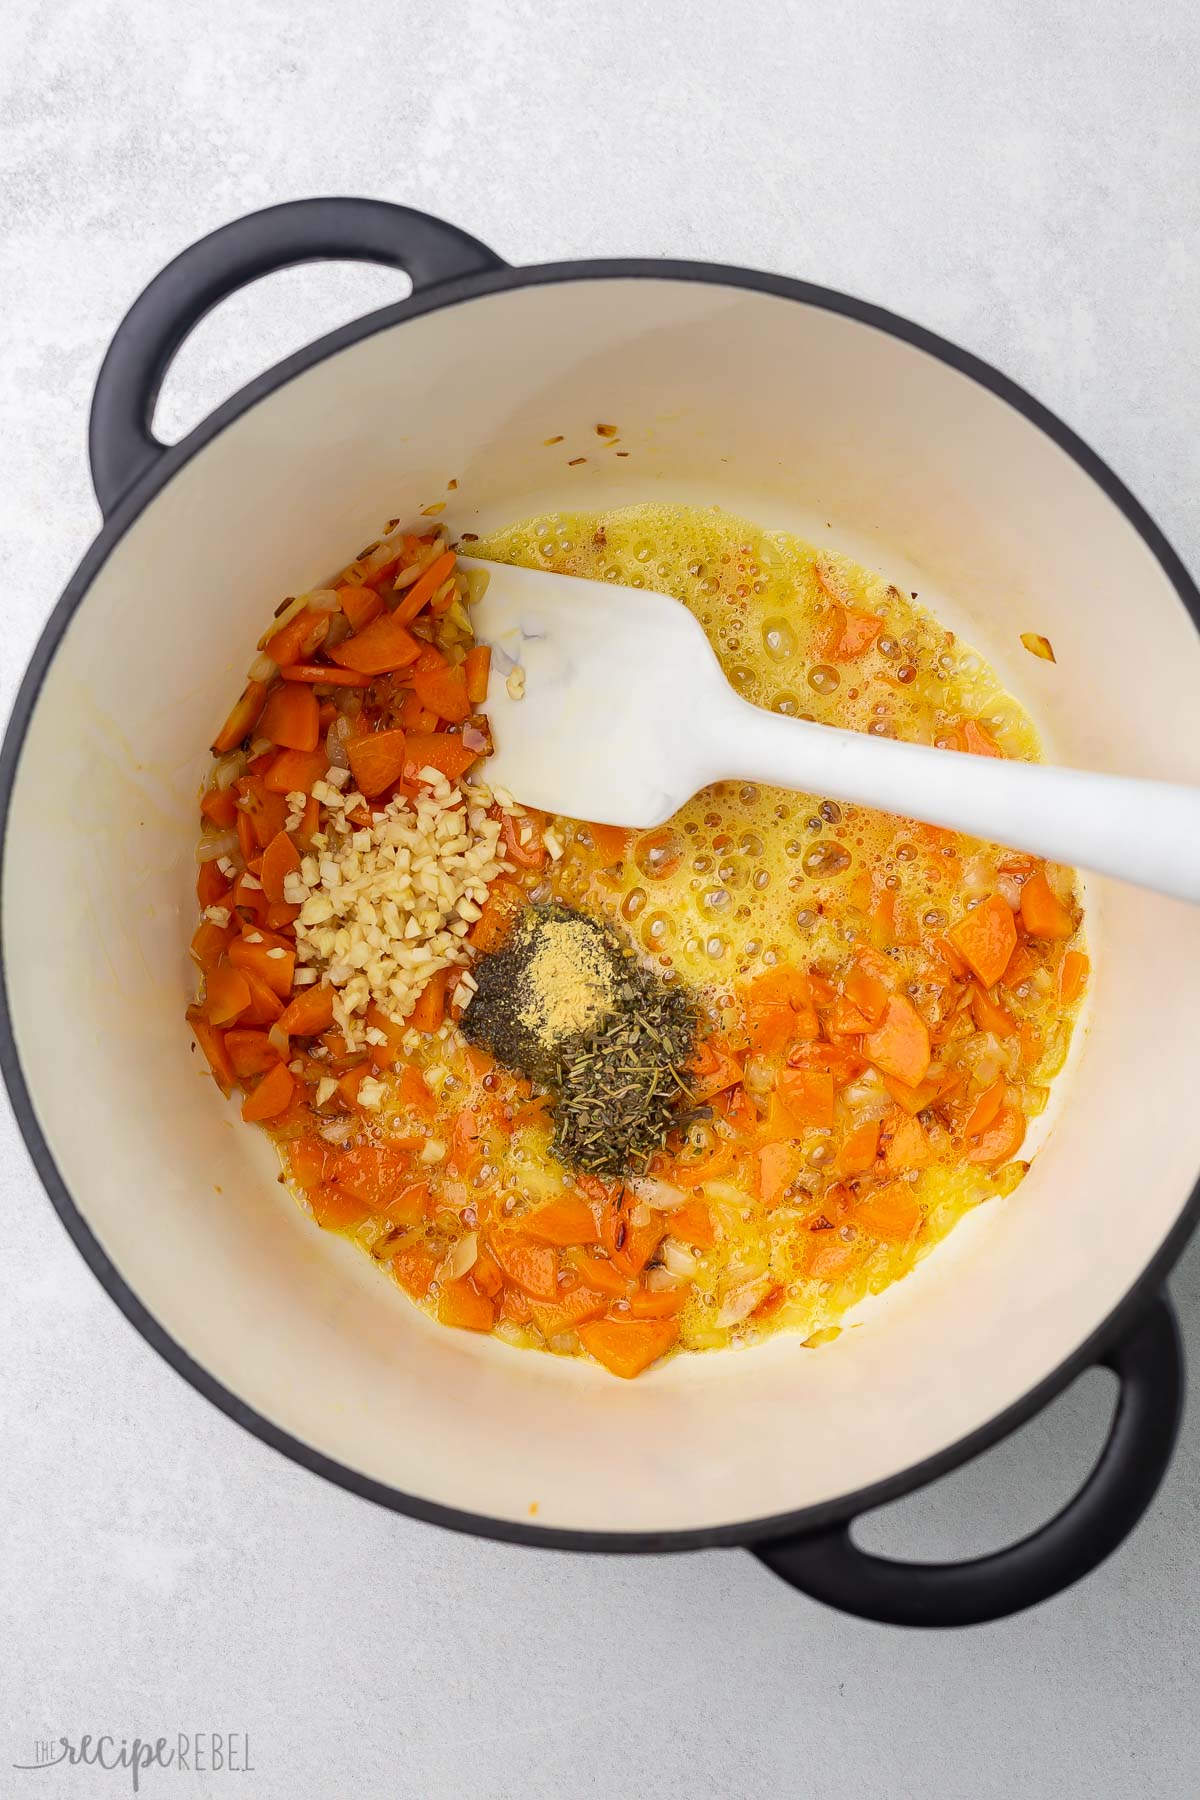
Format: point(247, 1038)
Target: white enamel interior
point(798, 418)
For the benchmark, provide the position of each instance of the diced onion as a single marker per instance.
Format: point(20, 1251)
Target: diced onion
point(678, 1260)
point(462, 1257)
point(262, 669)
point(323, 600)
point(228, 770)
point(473, 738)
point(278, 1040)
point(335, 742)
point(289, 612)
point(658, 1194)
point(741, 1303)
point(661, 1281)
point(216, 843)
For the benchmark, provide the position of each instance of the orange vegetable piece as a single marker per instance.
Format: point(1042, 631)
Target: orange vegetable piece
point(360, 605)
point(849, 632)
point(414, 1266)
point(600, 1272)
point(274, 971)
point(504, 905)
point(805, 1097)
point(692, 1224)
point(529, 854)
point(713, 1068)
point(859, 1150)
point(573, 1307)
point(531, 1267)
point(415, 1096)
point(561, 1222)
point(444, 691)
point(663, 1304)
point(425, 587)
point(250, 1052)
point(868, 993)
point(212, 1042)
point(695, 1174)
point(272, 1095)
point(378, 648)
point(294, 771)
point(627, 1346)
point(463, 1304)
point(376, 760)
point(430, 1010)
point(211, 885)
point(1002, 1139)
point(291, 717)
point(280, 858)
point(309, 1160)
point(986, 938)
point(265, 1005)
point(1072, 977)
point(477, 669)
point(778, 1167)
point(989, 1015)
point(826, 1260)
point(978, 739)
point(335, 1209)
point(219, 807)
point(309, 1012)
point(226, 994)
point(210, 943)
point(890, 1214)
point(439, 750)
point(296, 641)
point(242, 719)
point(900, 1045)
point(986, 1108)
point(905, 1145)
point(1042, 912)
point(612, 841)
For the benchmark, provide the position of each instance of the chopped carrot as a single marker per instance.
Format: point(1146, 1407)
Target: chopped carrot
point(843, 1063)
point(986, 937)
point(425, 587)
point(905, 1145)
point(336, 1210)
point(868, 993)
point(486, 1273)
point(859, 1150)
point(272, 1095)
point(309, 1161)
point(712, 1069)
point(295, 771)
point(847, 1020)
point(439, 750)
point(291, 717)
point(914, 1100)
point(530, 1266)
point(627, 1346)
point(349, 1084)
point(211, 886)
point(502, 908)
point(386, 1056)
point(629, 1246)
point(900, 1046)
point(891, 1214)
point(212, 1042)
point(444, 691)
point(463, 1304)
point(378, 648)
point(430, 1010)
point(600, 1272)
point(1002, 1139)
point(986, 1108)
point(978, 740)
point(573, 1308)
point(1021, 964)
point(242, 719)
point(1072, 977)
point(711, 1168)
point(414, 1266)
point(805, 1098)
point(477, 669)
point(280, 859)
point(1042, 912)
point(360, 605)
point(210, 943)
point(324, 674)
point(612, 841)
point(561, 1222)
point(1030, 1040)
point(523, 843)
point(376, 760)
point(219, 807)
point(415, 1095)
point(826, 1259)
point(778, 1167)
point(989, 1015)
point(692, 1224)
point(273, 966)
point(226, 995)
point(663, 1304)
point(265, 1004)
point(308, 1013)
point(250, 1052)
point(296, 641)
point(849, 632)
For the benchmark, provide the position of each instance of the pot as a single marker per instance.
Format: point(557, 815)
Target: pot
point(802, 409)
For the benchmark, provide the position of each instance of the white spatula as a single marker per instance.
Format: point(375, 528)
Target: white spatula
point(625, 714)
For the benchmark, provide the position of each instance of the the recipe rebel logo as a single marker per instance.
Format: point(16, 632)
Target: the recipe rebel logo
point(184, 1752)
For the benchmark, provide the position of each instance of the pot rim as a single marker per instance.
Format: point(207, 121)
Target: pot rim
point(130, 507)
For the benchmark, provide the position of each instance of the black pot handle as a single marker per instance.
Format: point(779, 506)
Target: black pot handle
point(827, 1565)
point(121, 444)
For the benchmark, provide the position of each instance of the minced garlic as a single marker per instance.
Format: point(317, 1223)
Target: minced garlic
point(384, 906)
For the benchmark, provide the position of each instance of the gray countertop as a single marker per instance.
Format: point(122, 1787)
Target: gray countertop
point(1021, 178)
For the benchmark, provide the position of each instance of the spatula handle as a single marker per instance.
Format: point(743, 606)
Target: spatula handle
point(1146, 832)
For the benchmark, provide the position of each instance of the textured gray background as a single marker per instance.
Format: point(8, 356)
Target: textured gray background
point(1021, 178)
